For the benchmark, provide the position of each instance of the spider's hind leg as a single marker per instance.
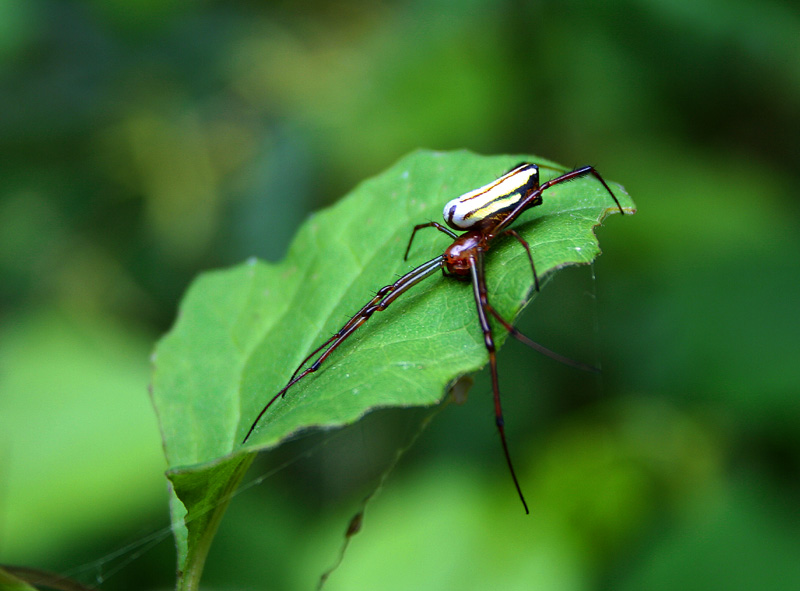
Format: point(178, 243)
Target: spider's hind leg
point(536, 346)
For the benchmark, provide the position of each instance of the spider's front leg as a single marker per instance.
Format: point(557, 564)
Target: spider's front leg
point(382, 299)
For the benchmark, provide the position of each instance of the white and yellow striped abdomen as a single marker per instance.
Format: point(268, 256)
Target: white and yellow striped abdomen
point(492, 200)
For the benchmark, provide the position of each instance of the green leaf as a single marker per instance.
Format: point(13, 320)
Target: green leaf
point(241, 332)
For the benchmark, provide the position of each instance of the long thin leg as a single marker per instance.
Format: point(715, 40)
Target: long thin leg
point(482, 302)
point(535, 196)
point(436, 225)
point(379, 295)
point(536, 346)
point(526, 340)
point(317, 350)
point(559, 170)
point(385, 296)
point(378, 302)
point(579, 172)
point(530, 256)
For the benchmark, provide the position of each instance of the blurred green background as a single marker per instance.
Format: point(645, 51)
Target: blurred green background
point(144, 141)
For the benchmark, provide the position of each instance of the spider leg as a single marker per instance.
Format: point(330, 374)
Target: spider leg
point(311, 355)
point(436, 225)
point(558, 169)
point(385, 296)
point(536, 346)
point(482, 302)
point(579, 172)
point(379, 295)
point(513, 233)
point(535, 197)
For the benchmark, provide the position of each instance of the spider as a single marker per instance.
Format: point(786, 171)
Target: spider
point(483, 214)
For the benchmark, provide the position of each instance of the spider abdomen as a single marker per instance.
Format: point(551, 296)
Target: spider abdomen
point(491, 202)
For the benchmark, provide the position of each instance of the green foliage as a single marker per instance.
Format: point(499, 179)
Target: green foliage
point(242, 331)
point(77, 378)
